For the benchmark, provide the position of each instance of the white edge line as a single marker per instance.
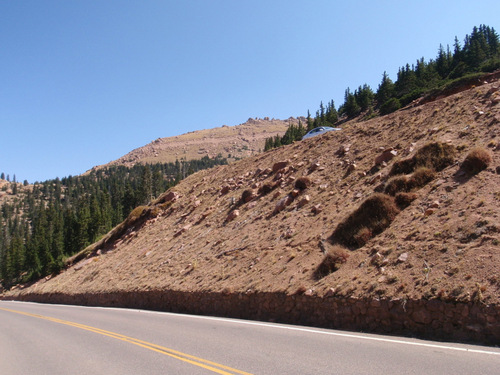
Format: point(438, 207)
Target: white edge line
point(285, 327)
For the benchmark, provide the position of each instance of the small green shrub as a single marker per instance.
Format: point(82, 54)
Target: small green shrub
point(403, 184)
point(363, 236)
point(375, 214)
point(477, 160)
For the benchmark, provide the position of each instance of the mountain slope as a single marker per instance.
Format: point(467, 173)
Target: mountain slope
point(219, 232)
point(230, 141)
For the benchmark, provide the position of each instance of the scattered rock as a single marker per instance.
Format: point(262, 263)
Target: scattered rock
point(429, 211)
point(342, 150)
point(435, 204)
point(376, 259)
point(232, 215)
point(403, 258)
point(317, 209)
point(376, 178)
point(182, 230)
point(351, 168)
point(282, 204)
point(313, 167)
point(386, 156)
point(247, 196)
point(280, 165)
point(305, 200)
point(169, 196)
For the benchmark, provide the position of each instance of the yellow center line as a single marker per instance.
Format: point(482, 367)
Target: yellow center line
point(196, 361)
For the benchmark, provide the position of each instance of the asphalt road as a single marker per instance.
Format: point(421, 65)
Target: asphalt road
point(54, 339)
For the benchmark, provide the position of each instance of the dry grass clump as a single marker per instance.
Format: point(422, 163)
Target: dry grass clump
point(371, 218)
point(332, 261)
point(405, 166)
point(266, 188)
point(302, 183)
point(403, 199)
point(477, 160)
point(247, 196)
point(435, 156)
point(135, 214)
point(421, 177)
point(396, 184)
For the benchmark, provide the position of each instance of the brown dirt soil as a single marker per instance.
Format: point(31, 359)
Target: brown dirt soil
point(444, 245)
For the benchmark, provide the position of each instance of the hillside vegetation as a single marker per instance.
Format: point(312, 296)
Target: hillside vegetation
point(44, 223)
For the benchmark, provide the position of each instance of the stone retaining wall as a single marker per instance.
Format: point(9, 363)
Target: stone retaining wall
point(433, 319)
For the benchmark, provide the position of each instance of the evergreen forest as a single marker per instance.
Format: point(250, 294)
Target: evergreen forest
point(478, 54)
point(44, 223)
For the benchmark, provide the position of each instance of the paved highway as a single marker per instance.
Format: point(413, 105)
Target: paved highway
point(54, 339)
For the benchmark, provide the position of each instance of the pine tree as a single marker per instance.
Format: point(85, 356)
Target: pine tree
point(385, 90)
point(350, 107)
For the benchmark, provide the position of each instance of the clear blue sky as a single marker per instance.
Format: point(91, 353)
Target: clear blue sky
point(83, 82)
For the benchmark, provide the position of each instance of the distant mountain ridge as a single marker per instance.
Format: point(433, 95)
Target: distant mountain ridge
point(232, 142)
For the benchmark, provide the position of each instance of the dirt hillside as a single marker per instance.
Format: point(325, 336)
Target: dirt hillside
point(252, 226)
point(274, 222)
point(230, 141)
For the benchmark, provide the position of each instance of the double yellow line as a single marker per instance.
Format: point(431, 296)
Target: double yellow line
point(191, 359)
